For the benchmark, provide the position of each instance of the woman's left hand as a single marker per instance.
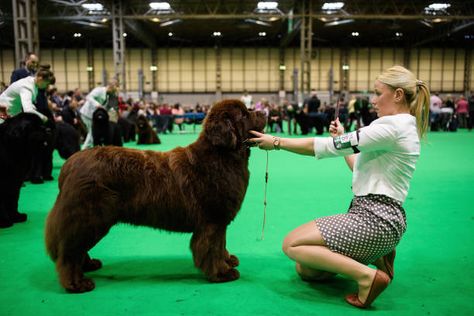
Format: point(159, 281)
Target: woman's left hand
point(263, 141)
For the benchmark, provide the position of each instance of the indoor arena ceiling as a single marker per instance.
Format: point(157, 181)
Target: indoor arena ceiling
point(190, 23)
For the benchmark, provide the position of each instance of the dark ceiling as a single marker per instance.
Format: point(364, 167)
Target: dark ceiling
point(377, 23)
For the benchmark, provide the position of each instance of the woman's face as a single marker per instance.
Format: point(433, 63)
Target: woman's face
point(41, 83)
point(384, 99)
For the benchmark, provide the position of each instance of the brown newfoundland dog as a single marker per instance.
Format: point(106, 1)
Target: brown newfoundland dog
point(197, 189)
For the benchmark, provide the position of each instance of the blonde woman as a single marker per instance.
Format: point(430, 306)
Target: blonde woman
point(21, 94)
point(382, 157)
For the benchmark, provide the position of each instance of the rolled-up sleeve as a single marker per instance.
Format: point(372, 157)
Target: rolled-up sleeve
point(27, 104)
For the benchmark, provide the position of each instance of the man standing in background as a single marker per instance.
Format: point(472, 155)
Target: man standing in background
point(30, 67)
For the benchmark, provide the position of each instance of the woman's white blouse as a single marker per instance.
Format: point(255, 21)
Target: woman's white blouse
point(387, 153)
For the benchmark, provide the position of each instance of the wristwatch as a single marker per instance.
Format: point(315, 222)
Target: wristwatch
point(276, 143)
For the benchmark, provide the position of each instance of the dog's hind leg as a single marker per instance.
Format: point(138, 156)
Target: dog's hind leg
point(232, 260)
point(71, 275)
point(73, 259)
point(210, 255)
point(90, 264)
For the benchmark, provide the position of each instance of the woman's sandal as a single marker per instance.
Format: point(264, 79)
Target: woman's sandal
point(388, 262)
point(379, 284)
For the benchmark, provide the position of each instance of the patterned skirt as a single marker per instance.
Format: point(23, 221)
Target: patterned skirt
point(372, 227)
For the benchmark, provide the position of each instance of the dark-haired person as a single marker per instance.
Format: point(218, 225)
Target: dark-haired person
point(30, 67)
point(382, 157)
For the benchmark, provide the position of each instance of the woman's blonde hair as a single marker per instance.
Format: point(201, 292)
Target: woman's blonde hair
point(417, 94)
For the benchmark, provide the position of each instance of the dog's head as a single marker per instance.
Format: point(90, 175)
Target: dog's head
point(142, 123)
point(229, 122)
point(25, 130)
point(100, 116)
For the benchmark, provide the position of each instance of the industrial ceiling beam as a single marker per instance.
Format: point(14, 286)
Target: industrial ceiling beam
point(256, 16)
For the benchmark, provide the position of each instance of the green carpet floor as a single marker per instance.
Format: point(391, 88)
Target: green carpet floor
point(150, 272)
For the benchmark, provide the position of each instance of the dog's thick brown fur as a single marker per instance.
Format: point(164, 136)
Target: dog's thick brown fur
point(197, 189)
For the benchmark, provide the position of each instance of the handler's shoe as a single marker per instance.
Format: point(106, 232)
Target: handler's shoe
point(385, 264)
point(379, 284)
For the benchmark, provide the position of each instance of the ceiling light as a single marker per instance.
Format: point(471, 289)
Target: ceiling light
point(217, 34)
point(345, 67)
point(77, 34)
point(355, 34)
point(267, 6)
point(332, 6)
point(170, 34)
point(104, 20)
point(124, 34)
point(438, 6)
point(282, 67)
point(161, 6)
point(153, 68)
point(90, 68)
point(398, 34)
point(262, 34)
point(156, 20)
point(93, 6)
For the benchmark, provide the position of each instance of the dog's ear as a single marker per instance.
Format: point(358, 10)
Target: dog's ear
point(221, 132)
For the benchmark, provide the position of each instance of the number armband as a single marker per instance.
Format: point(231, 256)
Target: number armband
point(347, 140)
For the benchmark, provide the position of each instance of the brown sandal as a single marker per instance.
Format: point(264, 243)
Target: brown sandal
point(379, 284)
point(387, 264)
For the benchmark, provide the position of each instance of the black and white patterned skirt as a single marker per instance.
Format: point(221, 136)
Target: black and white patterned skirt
point(371, 228)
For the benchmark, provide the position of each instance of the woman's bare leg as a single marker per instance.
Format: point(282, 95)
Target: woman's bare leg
point(306, 246)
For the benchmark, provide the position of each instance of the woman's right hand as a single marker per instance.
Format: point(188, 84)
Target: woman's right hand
point(336, 128)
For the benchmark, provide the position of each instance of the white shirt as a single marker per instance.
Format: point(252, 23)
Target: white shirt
point(389, 148)
point(247, 100)
point(19, 96)
point(94, 99)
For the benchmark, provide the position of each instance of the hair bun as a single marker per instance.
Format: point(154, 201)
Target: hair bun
point(45, 67)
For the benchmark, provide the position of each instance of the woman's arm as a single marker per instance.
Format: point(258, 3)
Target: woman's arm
point(27, 104)
point(350, 160)
point(302, 146)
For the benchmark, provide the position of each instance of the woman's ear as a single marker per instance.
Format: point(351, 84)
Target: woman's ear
point(399, 95)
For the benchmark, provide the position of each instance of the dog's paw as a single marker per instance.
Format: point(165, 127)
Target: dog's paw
point(91, 265)
point(227, 276)
point(232, 261)
point(80, 286)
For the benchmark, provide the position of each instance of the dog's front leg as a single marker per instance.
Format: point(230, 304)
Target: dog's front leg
point(210, 255)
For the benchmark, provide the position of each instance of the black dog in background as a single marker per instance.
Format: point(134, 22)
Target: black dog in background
point(67, 140)
point(146, 134)
point(105, 132)
point(20, 137)
point(127, 128)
